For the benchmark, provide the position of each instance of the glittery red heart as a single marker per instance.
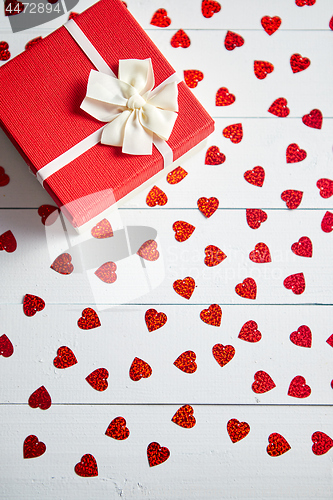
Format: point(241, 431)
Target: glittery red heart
point(255, 216)
point(65, 358)
point(271, 24)
point(224, 98)
point(156, 454)
point(73, 15)
point(262, 382)
point(314, 119)
point(260, 254)
point(4, 178)
point(298, 388)
point(233, 40)
point(186, 362)
point(327, 222)
point(117, 429)
point(192, 77)
point(262, 69)
point(302, 247)
point(139, 369)
point(296, 283)
point(278, 445)
point(214, 256)
point(233, 132)
point(180, 39)
point(87, 467)
point(156, 197)
point(302, 337)
point(32, 304)
point(33, 42)
point(208, 206)
point(292, 198)
point(102, 230)
point(155, 320)
point(63, 264)
point(45, 212)
point(148, 251)
point(12, 7)
point(161, 19)
point(8, 242)
point(325, 187)
point(209, 8)
point(294, 154)
point(4, 52)
point(88, 320)
point(176, 175)
point(223, 354)
point(279, 108)
point(98, 379)
point(330, 340)
point(249, 332)
point(256, 176)
point(32, 447)
point(214, 156)
point(247, 289)
point(184, 287)
point(299, 63)
point(322, 443)
point(212, 315)
point(301, 3)
point(237, 430)
point(40, 399)
point(183, 230)
point(184, 417)
point(6, 347)
point(106, 272)
point(330, 24)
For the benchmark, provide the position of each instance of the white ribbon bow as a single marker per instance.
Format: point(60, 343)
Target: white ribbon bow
point(133, 113)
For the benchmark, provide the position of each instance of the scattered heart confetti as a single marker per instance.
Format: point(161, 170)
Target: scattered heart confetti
point(106, 272)
point(302, 247)
point(325, 187)
point(271, 24)
point(295, 282)
point(139, 369)
point(49, 214)
point(322, 443)
point(330, 340)
point(298, 388)
point(299, 63)
point(87, 467)
point(326, 223)
point(212, 315)
point(279, 108)
point(278, 445)
point(209, 8)
point(98, 379)
point(302, 337)
point(63, 264)
point(247, 289)
point(249, 332)
point(224, 98)
point(183, 230)
point(255, 216)
point(214, 156)
point(262, 69)
point(192, 77)
point(223, 354)
point(233, 40)
point(161, 19)
point(208, 206)
point(89, 319)
point(262, 382)
point(32, 447)
point(256, 176)
point(292, 198)
point(65, 358)
point(180, 39)
point(156, 197)
point(156, 454)
point(8, 242)
point(260, 254)
point(155, 320)
point(32, 304)
point(237, 430)
point(294, 154)
point(33, 42)
point(117, 429)
point(148, 251)
point(40, 399)
point(314, 119)
point(4, 178)
point(177, 175)
point(4, 52)
point(102, 230)
point(301, 3)
point(186, 362)
point(184, 287)
point(184, 417)
point(6, 347)
point(233, 132)
point(214, 256)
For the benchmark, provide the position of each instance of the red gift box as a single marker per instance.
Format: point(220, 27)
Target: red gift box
point(40, 97)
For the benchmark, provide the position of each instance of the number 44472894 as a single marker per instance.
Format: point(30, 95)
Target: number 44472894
point(31, 8)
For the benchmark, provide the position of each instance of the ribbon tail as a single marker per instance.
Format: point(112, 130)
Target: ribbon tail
point(137, 140)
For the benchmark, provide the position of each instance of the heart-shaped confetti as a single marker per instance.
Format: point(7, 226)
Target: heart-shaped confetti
point(302, 337)
point(192, 77)
point(325, 187)
point(180, 39)
point(327, 222)
point(262, 382)
point(156, 454)
point(237, 430)
point(279, 108)
point(4, 178)
point(212, 315)
point(233, 132)
point(63, 264)
point(161, 19)
point(148, 251)
point(156, 197)
point(98, 379)
point(106, 272)
point(65, 358)
point(186, 362)
point(184, 287)
point(271, 24)
point(177, 175)
point(213, 256)
point(298, 388)
point(255, 216)
point(292, 198)
point(295, 282)
point(302, 3)
point(330, 340)
point(249, 332)
point(214, 156)
point(4, 52)
point(32, 304)
point(299, 63)
point(102, 230)
point(322, 443)
point(247, 289)
point(8, 242)
point(12, 7)
point(6, 347)
point(48, 214)
point(184, 417)
point(294, 154)
point(233, 40)
point(87, 467)
point(40, 399)
point(262, 69)
point(33, 42)
point(32, 447)
point(330, 24)
point(256, 176)
point(209, 8)
point(139, 369)
point(223, 354)
point(224, 98)
point(278, 445)
point(208, 206)
point(314, 119)
point(155, 320)
point(302, 247)
point(88, 320)
point(260, 254)
point(183, 230)
point(117, 429)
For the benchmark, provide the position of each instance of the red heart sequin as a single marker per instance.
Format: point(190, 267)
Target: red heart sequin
point(327, 222)
point(184, 417)
point(233, 132)
point(298, 388)
point(32, 447)
point(330, 340)
point(87, 467)
point(223, 354)
point(255, 216)
point(102, 230)
point(247, 289)
point(4, 178)
point(139, 369)
point(262, 382)
point(65, 358)
point(6, 347)
point(209, 8)
point(224, 98)
point(296, 283)
point(330, 24)
point(156, 454)
point(183, 230)
point(117, 429)
point(208, 206)
point(314, 119)
point(88, 320)
point(33, 42)
point(256, 176)
point(45, 212)
point(233, 40)
point(294, 154)
point(63, 264)
point(161, 19)
point(12, 7)
point(260, 254)
point(237, 430)
point(186, 362)
point(301, 3)
point(302, 337)
point(322, 443)
point(212, 315)
point(262, 69)
point(156, 197)
point(155, 320)
point(325, 187)
point(32, 304)
point(180, 39)
point(249, 332)
point(40, 399)
point(214, 156)
point(98, 379)
point(148, 251)
point(302, 247)
point(299, 63)
point(176, 175)
point(271, 24)
point(184, 287)
point(214, 256)
point(292, 198)
point(8, 242)
point(279, 108)
point(278, 445)
point(106, 272)
point(192, 77)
